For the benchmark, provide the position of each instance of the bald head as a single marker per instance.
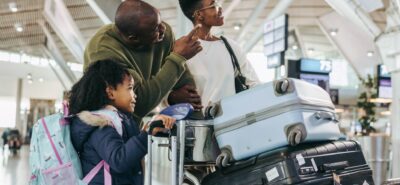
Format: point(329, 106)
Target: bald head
point(133, 15)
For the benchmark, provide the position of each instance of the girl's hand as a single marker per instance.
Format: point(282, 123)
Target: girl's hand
point(168, 121)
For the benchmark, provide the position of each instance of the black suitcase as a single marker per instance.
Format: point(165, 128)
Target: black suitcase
point(327, 163)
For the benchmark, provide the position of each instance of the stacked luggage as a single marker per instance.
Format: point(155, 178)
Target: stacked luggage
point(335, 162)
point(256, 127)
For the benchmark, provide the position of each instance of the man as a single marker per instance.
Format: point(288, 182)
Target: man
point(146, 47)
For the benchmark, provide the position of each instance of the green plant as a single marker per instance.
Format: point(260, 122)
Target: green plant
point(368, 107)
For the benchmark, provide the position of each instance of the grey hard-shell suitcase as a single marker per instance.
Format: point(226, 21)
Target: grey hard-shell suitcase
point(259, 119)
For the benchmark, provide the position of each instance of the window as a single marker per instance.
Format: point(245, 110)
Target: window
point(4, 56)
point(15, 58)
point(7, 111)
point(343, 75)
point(259, 62)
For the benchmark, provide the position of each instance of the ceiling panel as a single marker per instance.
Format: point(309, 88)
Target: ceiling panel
point(81, 11)
point(303, 15)
point(22, 5)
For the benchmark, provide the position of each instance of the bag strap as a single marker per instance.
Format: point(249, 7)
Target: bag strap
point(106, 167)
point(64, 120)
point(235, 62)
point(51, 141)
point(65, 108)
point(107, 176)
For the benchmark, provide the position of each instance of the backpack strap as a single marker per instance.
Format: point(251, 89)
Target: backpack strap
point(107, 176)
point(65, 108)
point(64, 120)
point(112, 116)
point(51, 141)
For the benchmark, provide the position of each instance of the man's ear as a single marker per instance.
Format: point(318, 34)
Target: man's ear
point(110, 92)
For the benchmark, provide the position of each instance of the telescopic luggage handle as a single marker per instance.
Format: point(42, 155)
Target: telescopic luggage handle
point(326, 116)
point(159, 124)
point(177, 111)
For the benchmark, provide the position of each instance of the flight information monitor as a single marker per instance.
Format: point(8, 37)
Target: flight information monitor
point(384, 83)
point(317, 79)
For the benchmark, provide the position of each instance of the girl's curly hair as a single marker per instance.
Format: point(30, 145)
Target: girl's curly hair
point(89, 93)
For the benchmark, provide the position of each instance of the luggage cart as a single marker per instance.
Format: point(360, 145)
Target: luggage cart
point(192, 145)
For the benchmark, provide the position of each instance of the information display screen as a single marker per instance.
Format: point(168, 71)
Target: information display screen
point(275, 35)
point(317, 79)
point(384, 82)
point(385, 88)
point(382, 71)
point(315, 66)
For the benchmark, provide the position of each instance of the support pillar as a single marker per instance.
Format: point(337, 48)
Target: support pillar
point(18, 122)
point(395, 121)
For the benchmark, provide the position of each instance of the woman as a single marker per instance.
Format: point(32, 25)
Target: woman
point(213, 67)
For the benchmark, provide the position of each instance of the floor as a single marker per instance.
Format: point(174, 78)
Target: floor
point(14, 169)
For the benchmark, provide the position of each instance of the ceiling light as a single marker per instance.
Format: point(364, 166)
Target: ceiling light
point(386, 113)
point(237, 26)
point(370, 53)
point(13, 6)
point(30, 81)
point(295, 47)
point(333, 32)
point(310, 50)
point(41, 80)
point(29, 76)
point(18, 27)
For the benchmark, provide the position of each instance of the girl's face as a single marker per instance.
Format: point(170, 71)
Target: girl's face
point(123, 97)
point(210, 14)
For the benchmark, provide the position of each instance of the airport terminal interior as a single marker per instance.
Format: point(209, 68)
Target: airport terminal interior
point(344, 51)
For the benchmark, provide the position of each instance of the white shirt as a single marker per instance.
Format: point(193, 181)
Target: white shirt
point(213, 72)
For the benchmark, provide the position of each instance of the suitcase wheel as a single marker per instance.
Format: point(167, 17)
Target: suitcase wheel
point(223, 159)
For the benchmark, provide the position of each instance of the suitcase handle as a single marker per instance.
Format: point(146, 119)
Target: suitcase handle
point(325, 116)
point(334, 166)
point(239, 165)
point(282, 86)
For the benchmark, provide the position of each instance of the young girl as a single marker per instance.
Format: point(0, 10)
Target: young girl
point(106, 85)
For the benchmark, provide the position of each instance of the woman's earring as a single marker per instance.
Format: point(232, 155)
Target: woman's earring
point(199, 17)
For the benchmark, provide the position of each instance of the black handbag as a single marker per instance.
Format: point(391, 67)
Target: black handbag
point(240, 80)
